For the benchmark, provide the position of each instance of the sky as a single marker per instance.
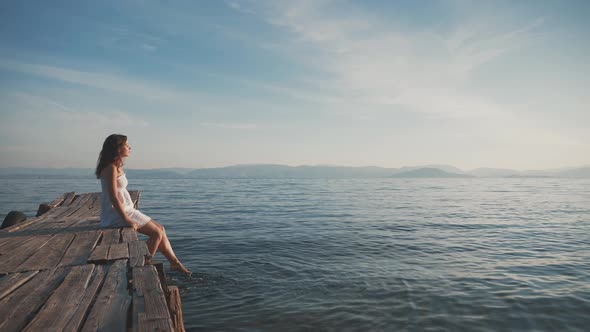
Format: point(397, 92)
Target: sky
point(355, 83)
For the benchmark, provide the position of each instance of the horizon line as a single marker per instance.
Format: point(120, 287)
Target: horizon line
point(316, 165)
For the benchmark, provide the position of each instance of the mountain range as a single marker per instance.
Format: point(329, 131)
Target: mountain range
point(307, 172)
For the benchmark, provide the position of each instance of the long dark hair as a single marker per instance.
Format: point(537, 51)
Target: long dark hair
point(110, 152)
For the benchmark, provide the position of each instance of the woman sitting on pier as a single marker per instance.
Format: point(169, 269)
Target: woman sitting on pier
point(117, 208)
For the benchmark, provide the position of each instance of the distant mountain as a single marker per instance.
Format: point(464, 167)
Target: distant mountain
point(446, 168)
point(573, 172)
point(297, 172)
point(493, 172)
point(153, 174)
point(429, 173)
point(282, 171)
point(582, 172)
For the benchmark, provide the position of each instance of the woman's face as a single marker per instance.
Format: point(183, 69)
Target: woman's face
point(125, 150)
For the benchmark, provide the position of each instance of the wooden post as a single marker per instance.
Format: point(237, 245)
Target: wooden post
point(175, 309)
point(163, 280)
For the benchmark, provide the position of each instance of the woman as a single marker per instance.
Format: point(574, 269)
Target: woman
point(117, 208)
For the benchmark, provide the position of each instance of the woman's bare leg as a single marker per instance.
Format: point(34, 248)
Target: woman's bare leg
point(155, 236)
point(158, 240)
point(165, 246)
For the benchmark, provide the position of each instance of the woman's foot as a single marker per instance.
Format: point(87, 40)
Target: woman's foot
point(177, 266)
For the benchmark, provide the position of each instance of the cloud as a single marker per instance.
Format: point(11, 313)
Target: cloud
point(247, 126)
point(372, 61)
point(75, 116)
point(238, 7)
point(472, 45)
point(110, 82)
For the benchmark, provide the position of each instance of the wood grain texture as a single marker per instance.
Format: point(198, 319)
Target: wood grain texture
point(109, 312)
point(138, 252)
point(12, 243)
point(128, 235)
point(99, 254)
point(175, 309)
point(64, 302)
point(9, 262)
point(69, 198)
point(11, 282)
point(118, 251)
point(146, 324)
point(50, 255)
point(95, 283)
point(110, 236)
point(20, 306)
point(148, 297)
point(80, 249)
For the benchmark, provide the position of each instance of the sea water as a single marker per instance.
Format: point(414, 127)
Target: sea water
point(366, 254)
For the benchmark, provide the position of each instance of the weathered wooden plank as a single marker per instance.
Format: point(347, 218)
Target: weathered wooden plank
point(92, 222)
point(109, 312)
point(20, 306)
point(43, 222)
point(43, 208)
point(25, 224)
point(67, 211)
point(13, 242)
point(63, 303)
point(163, 280)
point(76, 321)
point(99, 254)
point(110, 236)
point(52, 215)
point(69, 198)
point(96, 203)
point(85, 225)
point(148, 296)
point(80, 249)
point(128, 235)
point(138, 252)
point(146, 324)
point(93, 201)
point(175, 309)
point(12, 281)
point(81, 212)
point(57, 211)
point(118, 251)
point(50, 256)
point(4, 238)
point(81, 199)
point(8, 263)
point(66, 226)
point(53, 219)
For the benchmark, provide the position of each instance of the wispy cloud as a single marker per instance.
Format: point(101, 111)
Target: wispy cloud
point(125, 38)
point(75, 116)
point(247, 126)
point(110, 82)
point(472, 45)
point(375, 62)
point(237, 6)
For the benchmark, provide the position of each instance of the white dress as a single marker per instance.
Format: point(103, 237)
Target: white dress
point(109, 217)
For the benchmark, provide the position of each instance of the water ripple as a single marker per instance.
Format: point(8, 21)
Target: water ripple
point(368, 254)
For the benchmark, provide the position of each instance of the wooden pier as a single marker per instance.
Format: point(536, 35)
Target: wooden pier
point(60, 271)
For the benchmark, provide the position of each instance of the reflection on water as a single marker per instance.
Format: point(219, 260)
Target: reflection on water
point(373, 254)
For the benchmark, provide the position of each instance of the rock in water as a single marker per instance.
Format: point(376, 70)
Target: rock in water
point(13, 218)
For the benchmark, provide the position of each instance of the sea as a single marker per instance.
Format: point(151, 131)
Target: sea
point(465, 254)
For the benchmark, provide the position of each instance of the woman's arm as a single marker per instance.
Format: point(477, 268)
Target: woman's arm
point(110, 173)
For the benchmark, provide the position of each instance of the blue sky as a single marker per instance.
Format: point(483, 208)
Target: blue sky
point(357, 83)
